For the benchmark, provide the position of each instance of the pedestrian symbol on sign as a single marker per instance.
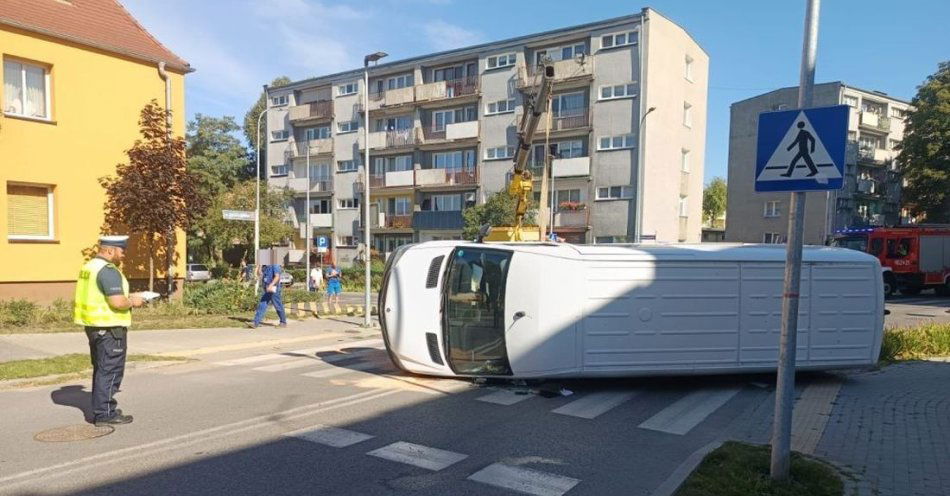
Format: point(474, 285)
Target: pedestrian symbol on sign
point(803, 139)
point(801, 150)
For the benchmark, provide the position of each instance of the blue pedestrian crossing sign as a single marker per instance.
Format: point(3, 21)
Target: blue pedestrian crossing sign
point(322, 244)
point(802, 149)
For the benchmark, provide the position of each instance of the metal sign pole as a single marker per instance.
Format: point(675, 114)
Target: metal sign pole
point(785, 380)
point(309, 228)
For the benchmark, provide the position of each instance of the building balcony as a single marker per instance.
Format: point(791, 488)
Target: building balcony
point(384, 220)
point(432, 220)
point(314, 147)
point(570, 167)
point(866, 186)
point(311, 112)
point(565, 71)
point(391, 139)
point(317, 185)
point(446, 177)
point(394, 179)
point(321, 220)
point(875, 156)
point(450, 132)
point(391, 98)
point(579, 217)
point(442, 90)
point(875, 121)
point(565, 120)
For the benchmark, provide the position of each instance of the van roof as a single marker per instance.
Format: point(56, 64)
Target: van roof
point(735, 252)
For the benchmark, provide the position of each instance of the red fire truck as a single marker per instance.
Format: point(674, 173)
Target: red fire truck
point(912, 258)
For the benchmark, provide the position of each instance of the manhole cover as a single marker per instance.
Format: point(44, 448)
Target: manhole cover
point(79, 432)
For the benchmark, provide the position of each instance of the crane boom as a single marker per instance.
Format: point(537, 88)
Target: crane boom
point(522, 182)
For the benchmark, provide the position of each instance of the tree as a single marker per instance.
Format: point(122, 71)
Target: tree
point(250, 120)
point(925, 150)
point(498, 210)
point(215, 154)
point(154, 194)
point(221, 234)
point(714, 200)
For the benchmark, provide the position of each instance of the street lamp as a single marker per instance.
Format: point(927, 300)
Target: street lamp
point(367, 259)
point(638, 235)
point(257, 201)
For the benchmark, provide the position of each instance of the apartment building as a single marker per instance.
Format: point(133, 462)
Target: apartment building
point(75, 77)
point(872, 187)
point(443, 130)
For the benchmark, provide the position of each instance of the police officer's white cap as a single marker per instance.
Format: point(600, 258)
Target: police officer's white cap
point(119, 241)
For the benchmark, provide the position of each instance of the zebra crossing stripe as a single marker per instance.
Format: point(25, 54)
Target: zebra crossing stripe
point(595, 404)
point(524, 480)
point(680, 417)
point(250, 359)
point(504, 397)
point(315, 360)
point(417, 455)
point(329, 436)
point(335, 371)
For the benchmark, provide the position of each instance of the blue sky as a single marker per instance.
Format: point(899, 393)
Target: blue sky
point(754, 45)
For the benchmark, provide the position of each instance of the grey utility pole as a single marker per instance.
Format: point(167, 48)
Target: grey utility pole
point(307, 210)
point(367, 258)
point(257, 192)
point(785, 381)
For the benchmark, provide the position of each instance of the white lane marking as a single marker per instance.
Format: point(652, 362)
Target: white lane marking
point(368, 343)
point(329, 436)
point(524, 480)
point(177, 442)
point(504, 397)
point(595, 404)
point(335, 371)
point(251, 359)
point(680, 417)
point(417, 455)
point(306, 362)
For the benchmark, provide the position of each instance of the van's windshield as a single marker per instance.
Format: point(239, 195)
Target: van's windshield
point(474, 317)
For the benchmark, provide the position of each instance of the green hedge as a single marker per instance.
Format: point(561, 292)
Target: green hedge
point(19, 313)
point(911, 343)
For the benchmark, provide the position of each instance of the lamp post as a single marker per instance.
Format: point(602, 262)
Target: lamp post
point(367, 259)
point(257, 201)
point(307, 210)
point(638, 236)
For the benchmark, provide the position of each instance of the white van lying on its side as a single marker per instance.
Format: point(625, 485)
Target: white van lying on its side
point(451, 308)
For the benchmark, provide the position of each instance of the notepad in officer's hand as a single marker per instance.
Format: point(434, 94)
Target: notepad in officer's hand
point(149, 295)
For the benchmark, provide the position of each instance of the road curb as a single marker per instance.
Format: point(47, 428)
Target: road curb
point(673, 482)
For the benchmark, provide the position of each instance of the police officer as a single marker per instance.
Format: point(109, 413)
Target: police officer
point(102, 306)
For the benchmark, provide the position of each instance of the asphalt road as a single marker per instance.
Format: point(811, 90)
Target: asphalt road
point(914, 310)
point(343, 421)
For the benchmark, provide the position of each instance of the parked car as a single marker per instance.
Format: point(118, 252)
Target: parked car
point(197, 272)
point(286, 278)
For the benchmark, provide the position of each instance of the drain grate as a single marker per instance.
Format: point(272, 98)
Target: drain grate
point(79, 432)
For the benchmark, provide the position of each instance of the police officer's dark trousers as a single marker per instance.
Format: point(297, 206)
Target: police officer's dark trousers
point(107, 347)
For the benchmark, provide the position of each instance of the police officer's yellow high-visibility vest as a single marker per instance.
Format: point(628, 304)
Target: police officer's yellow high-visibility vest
point(90, 307)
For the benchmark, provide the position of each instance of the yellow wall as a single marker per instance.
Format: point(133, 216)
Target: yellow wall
point(96, 98)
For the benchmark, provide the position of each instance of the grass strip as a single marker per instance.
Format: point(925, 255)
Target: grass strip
point(63, 364)
point(738, 469)
point(914, 343)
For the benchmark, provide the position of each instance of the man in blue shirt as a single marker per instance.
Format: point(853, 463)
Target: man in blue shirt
point(270, 282)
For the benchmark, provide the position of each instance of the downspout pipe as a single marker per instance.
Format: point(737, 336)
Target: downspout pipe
point(170, 248)
point(168, 98)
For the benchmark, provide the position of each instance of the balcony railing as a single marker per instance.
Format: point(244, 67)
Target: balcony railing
point(391, 97)
point(875, 121)
point(446, 177)
point(564, 70)
point(572, 218)
point(392, 139)
point(565, 120)
point(454, 131)
point(452, 88)
point(315, 147)
point(316, 184)
point(875, 156)
point(311, 112)
point(398, 221)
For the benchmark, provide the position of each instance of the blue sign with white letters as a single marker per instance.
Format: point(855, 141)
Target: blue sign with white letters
point(802, 149)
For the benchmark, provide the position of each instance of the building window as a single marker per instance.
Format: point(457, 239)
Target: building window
point(893, 144)
point(557, 53)
point(458, 159)
point(322, 206)
point(348, 126)
point(688, 69)
point(567, 196)
point(500, 107)
point(442, 118)
point(348, 89)
point(347, 166)
point(442, 203)
point(499, 152)
point(400, 123)
point(620, 142)
point(606, 240)
point(320, 172)
point(618, 91)
point(618, 40)
point(615, 193)
point(29, 212)
point(684, 206)
point(345, 241)
point(25, 90)
point(397, 82)
point(280, 135)
point(279, 101)
point(687, 115)
point(870, 142)
point(497, 61)
point(316, 133)
point(771, 238)
point(349, 203)
point(851, 101)
point(279, 170)
point(771, 209)
point(684, 160)
point(898, 113)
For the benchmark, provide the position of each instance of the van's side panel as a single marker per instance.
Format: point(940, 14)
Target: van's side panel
point(846, 313)
point(661, 316)
point(761, 321)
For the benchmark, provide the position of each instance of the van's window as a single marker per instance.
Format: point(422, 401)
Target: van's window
point(876, 245)
point(475, 311)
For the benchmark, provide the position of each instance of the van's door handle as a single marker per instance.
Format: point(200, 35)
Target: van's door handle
point(519, 315)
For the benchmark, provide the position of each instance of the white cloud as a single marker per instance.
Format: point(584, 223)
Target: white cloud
point(446, 36)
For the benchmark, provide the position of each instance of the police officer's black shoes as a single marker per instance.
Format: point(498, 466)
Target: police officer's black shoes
point(116, 420)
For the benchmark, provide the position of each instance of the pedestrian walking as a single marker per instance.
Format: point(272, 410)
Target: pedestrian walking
point(102, 306)
point(334, 286)
point(316, 279)
point(270, 282)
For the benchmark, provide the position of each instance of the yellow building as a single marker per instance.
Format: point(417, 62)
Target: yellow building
point(76, 74)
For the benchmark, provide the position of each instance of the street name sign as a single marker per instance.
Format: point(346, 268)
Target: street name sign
point(246, 215)
point(801, 149)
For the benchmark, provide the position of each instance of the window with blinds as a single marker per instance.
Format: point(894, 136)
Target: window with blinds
point(29, 212)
